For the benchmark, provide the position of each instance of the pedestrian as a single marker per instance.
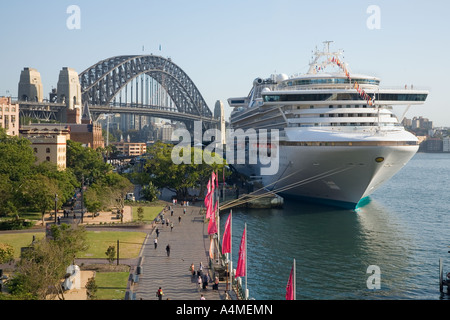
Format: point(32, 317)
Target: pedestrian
point(159, 293)
point(168, 250)
point(216, 284)
point(184, 211)
point(167, 222)
point(199, 282)
point(202, 297)
point(157, 232)
point(201, 267)
point(59, 220)
point(155, 242)
point(192, 270)
point(171, 212)
point(171, 226)
point(179, 219)
point(205, 282)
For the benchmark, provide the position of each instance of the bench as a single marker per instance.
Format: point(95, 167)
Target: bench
point(96, 214)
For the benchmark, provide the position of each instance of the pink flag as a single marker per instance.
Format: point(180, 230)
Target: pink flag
point(226, 240)
point(290, 286)
point(208, 198)
point(209, 206)
point(212, 227)
point(240, 270)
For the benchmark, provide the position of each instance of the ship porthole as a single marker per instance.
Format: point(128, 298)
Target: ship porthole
point(379, 159)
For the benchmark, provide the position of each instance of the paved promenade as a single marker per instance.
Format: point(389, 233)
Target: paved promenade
point(189, 243)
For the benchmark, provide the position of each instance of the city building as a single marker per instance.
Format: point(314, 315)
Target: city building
point(433, 145)
point(131, 148)
point(446, 144)
point(83, 129)
point(48, 141)
point(9, 116)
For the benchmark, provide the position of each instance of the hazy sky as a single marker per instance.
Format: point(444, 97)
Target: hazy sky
point(224, 45)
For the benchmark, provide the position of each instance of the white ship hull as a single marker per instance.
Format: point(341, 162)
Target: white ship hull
point(339, 176)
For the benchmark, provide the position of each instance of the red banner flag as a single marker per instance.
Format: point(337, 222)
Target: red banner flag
point(212, 227)
point(226, 240)
point(290, 286)
point(213, 178)
point(240, 270)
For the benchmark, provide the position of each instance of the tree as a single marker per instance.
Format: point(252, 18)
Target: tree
point(164, 173)
point(41, 269)
point(85, 162)
point(91, 288)
point(111, 254)
point(16, 163)
point(150, 192)
point(6, 253)
point(39, 193)
point(140, 212)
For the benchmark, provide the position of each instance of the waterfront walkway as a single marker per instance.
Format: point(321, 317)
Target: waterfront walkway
point(189, 243)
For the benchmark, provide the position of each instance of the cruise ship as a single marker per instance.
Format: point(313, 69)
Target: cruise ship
point(339, 137)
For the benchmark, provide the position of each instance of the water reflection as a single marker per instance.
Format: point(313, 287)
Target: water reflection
point(333, 249)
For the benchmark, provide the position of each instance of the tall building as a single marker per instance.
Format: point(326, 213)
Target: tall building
point(69, 88)
point(220, 114)
point(48, 141)
point(9, 116)
point(30, 86)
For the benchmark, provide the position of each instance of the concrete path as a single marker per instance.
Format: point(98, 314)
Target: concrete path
point(189, 243)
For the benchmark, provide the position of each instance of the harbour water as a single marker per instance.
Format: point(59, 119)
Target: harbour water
point(403, 230)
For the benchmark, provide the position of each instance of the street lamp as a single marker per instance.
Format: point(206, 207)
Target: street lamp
point(56, 206)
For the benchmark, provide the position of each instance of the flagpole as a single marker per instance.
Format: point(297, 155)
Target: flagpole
point(295, 283)
point(246, 253)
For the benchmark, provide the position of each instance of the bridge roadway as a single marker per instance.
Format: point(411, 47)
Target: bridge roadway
point(189, 243)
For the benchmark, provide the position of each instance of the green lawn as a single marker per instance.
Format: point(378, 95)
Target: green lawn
point(18, 240)
point(111, 285)
point(150, 213)
point(130, 243)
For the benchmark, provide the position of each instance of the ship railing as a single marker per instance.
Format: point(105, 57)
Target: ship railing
point(349, 87)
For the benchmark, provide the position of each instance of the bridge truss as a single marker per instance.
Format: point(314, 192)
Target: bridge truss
point(106, 86)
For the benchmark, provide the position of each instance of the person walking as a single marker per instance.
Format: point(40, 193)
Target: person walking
point(171, 226)
point(192, 270)
point(168, 250)
point(157, 232)
point(155, 242)
point(159, 293)
point(179, 219)
point(199, 282)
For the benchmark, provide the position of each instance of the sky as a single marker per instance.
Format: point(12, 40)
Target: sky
point(224, 45)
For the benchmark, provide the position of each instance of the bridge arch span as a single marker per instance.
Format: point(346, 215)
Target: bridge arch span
point(101, 83)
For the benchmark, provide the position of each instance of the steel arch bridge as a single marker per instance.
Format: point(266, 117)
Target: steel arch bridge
point(102, 82)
